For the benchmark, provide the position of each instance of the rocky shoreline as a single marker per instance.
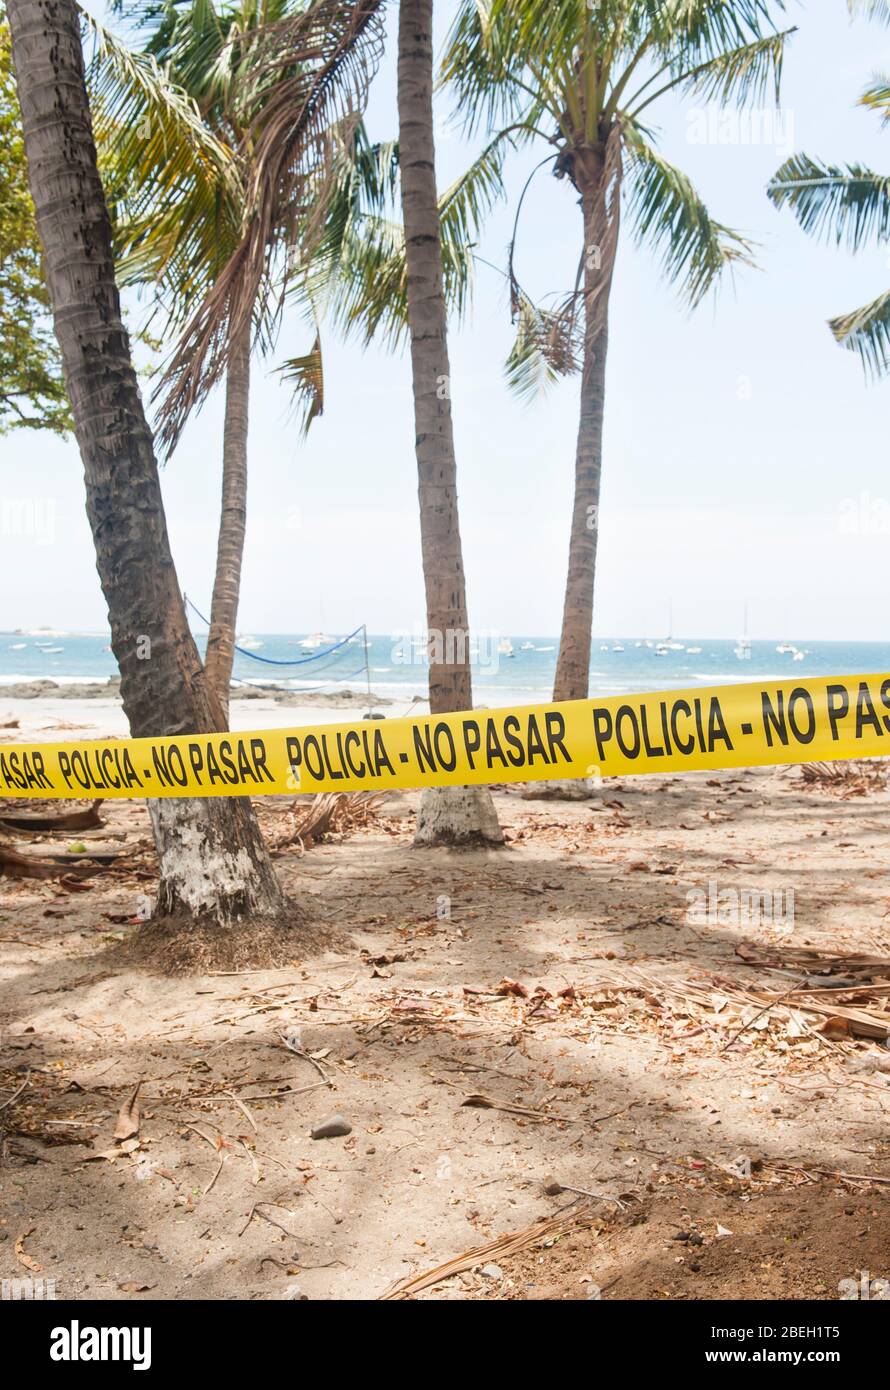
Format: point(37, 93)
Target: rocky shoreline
point(110, 690)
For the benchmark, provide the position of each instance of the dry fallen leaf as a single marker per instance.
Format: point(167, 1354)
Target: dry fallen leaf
point(508, 986)
point(23, 1258)
point(128, 1117)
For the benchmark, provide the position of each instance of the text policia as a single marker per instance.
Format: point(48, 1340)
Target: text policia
point(726, 726)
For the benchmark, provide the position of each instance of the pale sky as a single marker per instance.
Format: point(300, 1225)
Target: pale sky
point(739, 440)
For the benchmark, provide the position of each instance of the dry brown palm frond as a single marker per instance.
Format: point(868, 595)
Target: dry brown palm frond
point(603, 235)
point(326, 814)
point(843, 774)
point(317, 68)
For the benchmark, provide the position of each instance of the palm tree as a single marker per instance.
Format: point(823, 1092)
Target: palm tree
point(583, 78)
point(172, 236)
point(347, 242)
point(32, 392)
point(464, 814)
point(847, 203)
point(213, 863)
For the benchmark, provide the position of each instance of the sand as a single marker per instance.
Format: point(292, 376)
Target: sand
point(547, 978)
point(99, 715)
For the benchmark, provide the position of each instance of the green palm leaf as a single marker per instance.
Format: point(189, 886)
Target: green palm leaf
point(750, 72)
point(668, 212)
point(360, 273)
point(871, 9)
point(846, 203)
point(867, 331)
point(877, 96)
point(305, 376)
point(147, 121)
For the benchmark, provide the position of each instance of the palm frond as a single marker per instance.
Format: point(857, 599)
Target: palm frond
point(305, 376)
point(870, 9)
point(173, 185)
point(867, 331)
point(363, 280)
point(311, 75)
point(147, 120)
point(750, 72)
point(548, 346)
point(845, 203)
point(485, 63)
point(877, 96)
point(695, 31)
point(668, 212)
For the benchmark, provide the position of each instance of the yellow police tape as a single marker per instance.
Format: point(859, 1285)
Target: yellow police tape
point(672, 731)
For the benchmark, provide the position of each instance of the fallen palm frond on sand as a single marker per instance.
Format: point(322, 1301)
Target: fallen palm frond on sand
point(851, 1011)
point(329, 813)
point(852, 778)
point(815, 963)
point(502, 1246)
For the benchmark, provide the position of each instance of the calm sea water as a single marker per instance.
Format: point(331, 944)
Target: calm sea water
point(398, 669)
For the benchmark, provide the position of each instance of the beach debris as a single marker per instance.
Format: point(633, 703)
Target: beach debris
point(508, 986)
point(127, 1126)
point(869, 1062)
point(815, 963)
point(327, 813)
point(552, 1187)
point(293, 1041)
point(16, 865)
point(333, 1128)
point(127, 1146)
point(756, 1009)
point(548, 1230)
point(71, 820)
point(23, 1257)
point(853, 777)
point(481, 1102)
point(580, 789)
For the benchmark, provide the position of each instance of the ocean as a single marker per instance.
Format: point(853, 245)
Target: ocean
point(520, 672)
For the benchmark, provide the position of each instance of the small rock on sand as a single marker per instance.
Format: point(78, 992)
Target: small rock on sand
point(333, 1128)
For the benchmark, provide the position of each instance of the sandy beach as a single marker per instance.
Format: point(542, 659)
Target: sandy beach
point(97, 714)
point(502, 1031)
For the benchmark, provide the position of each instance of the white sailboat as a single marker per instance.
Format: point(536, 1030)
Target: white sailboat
point(668, 644)
point(743, 647)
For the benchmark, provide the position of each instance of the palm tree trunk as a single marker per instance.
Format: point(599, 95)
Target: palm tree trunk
point(461, 814)
point(232, 522)
point(573, 663)
point(213, 861)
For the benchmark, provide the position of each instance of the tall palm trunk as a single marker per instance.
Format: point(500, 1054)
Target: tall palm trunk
point(213, 861)
point(232, 522)
point(573, 663)
point(461, 814)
